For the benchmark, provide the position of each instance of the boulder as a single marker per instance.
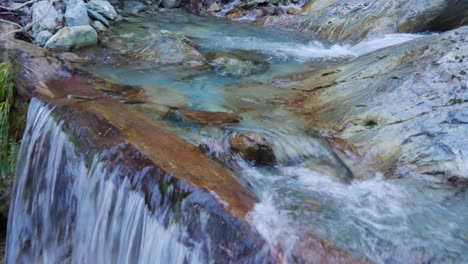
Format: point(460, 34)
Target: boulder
point(76, 14)
point(98, 17)
point(227, 64)
point(354, 20)
point(42, 37)
point(252, 147)
point(102, 7)
point(47, 16)
point(170, 48)
point(400, 110)
point(69, 38)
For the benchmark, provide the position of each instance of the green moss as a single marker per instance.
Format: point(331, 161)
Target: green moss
point(370, 123)
point(457, 101)
point(12, 120)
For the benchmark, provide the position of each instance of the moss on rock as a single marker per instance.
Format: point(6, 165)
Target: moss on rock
point(12, 120)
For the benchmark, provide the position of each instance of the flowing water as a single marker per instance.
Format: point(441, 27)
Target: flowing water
point(401, 220)
point(76, 208)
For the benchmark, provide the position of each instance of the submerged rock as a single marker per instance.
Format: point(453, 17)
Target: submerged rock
point(46, 16)
point(227, 64)
point(170, 48)
point(167, 97)
point(203, 117)
point(400, 110)
point(252, 147)
point(69, 38)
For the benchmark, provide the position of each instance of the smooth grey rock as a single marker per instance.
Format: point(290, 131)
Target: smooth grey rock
point(353, 20)
point(170, 48)
point(95, 15)
point(49, 22)
point(171, 3)
point(402, 110)
point(99, 26)
point(69, 38)
point(102, 7)
point(76, 13)
point(42, 37)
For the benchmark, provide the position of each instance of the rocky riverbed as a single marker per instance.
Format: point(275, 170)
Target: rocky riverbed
point(341, 124)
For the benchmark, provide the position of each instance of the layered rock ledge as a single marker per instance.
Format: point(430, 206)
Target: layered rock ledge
point(400, 110)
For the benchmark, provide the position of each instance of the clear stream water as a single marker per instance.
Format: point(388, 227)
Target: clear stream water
point(402, 220)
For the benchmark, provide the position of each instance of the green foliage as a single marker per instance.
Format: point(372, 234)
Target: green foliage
point(12, 120)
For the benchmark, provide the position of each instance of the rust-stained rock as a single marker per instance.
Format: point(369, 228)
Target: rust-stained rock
point(313, 249)
point(234, 14)
point(253, 147)
point(172, 154)
point(203, 117)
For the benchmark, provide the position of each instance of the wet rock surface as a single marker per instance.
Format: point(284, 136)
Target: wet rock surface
point(35, 66)
point(202, 117)
point(253, 147)
point(227, 64)
point(401, 110)
point(354, 20)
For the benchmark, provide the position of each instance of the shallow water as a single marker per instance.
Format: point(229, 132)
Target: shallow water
point(411, 219)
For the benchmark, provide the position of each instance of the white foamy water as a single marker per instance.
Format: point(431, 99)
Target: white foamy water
point(311, 50)
point(66, 212)
point(385, 220)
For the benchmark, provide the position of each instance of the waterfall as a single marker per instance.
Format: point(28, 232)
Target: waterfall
point(74, 206)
